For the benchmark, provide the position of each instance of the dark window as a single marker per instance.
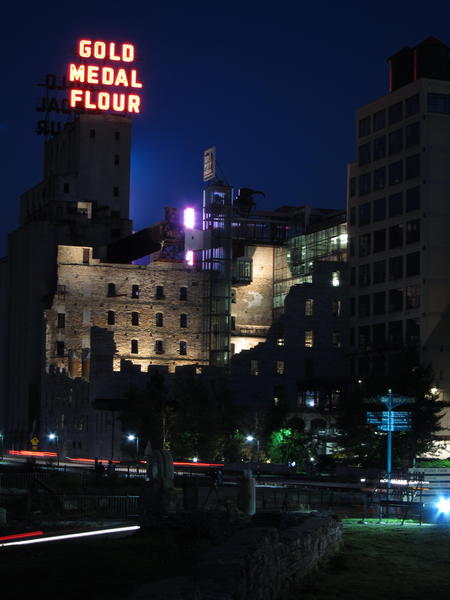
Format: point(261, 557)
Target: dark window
point(395, 267)
point(439, 103)
point(183, 348)
point(115, 191)
point(184, 293)
point(351, 246)
point(395, 113)
point(352, 276)
point(412, 231)
point(352, 337)
point(86, 255)
point(115, 214)
point(379, 240)
point(117, 135)
point(352, 306)
point(159, 320)
point(352, 186)
point(134, 347)
point(379, 209)
point(364, 244)
point(60, 349)
point(395, 236)
point(396, 173)
point(412, 332)
point(135, 291)
point(413, 199)
point(395, 333)
point(396, 204)
point(116, 159)
point(413, 166)
point(364, 184)
point(233, 323)
point(352, 216)
point(379, 303)
point(159, 347)
point(379, 179)
point(61, 321)
point(379, 271)
point(159, 292)
point(364, 154)
point(378, 334)
point(184, 320)
point(364, 127)
point(379, 120)
point(111, 289)
point(135, 318)
point(92, 133)
point(413, 264)
point(111, 317)
point(379, 147)
point(364, 214)
point(115, 233)
point(364, 336)
point(412, 105)
point(395, 300)
point(364, 275)
point(412, 135)
point(364, 306)
point(412, 296)
point(66, 188)
point(396, 141)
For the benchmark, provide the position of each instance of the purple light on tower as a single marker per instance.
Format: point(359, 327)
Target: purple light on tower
point(190, 257)
point(189, 218)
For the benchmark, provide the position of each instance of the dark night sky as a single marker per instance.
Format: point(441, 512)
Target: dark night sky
point(273, 84)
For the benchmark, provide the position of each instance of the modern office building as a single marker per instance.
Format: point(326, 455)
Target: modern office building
point(399, 219)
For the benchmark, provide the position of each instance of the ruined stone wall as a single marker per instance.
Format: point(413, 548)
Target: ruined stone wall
point(256, 563)
point(251, 306)
point(147, 328)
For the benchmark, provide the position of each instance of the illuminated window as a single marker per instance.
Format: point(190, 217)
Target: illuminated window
point(61, 322)
point(111, 317)
point(159, 320)
point(309, 338)
point(135, 318)
point(280, 367)
point(183, 320)
point(254, 368)
point(134, 347)
point(60, 349)
point(336, 308)
point(183, 348)
point(309, 307)
point(135, 291)
point(336, 278)
point(280, 341)
point(159, 347)
point(183, 293)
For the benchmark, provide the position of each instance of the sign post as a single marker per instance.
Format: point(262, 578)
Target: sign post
point(391, 421)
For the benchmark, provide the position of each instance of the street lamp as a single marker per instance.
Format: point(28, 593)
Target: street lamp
point(251, 438)
point(53, 437)
point(134, 438)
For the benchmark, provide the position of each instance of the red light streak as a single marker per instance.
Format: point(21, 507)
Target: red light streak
point(16, 536)
point(31, 453)
point(91, 460)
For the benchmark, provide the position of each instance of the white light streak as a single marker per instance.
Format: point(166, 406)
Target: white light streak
point(68, 536)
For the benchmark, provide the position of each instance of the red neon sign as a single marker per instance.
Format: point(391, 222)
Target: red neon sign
point(120, 100)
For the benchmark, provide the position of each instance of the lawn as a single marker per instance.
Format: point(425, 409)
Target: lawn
point(383, 561)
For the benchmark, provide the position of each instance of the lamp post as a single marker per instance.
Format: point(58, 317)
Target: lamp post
point(251, 438)
point(134, 438)
point(53, 437)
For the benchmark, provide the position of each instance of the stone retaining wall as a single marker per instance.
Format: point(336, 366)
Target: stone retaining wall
point(255, 563)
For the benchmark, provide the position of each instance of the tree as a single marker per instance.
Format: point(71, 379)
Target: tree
point(363, 443)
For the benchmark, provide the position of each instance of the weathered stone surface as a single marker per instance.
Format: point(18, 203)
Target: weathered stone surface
point(255, 563)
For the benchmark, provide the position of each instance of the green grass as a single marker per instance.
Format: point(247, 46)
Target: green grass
point(381, 561)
